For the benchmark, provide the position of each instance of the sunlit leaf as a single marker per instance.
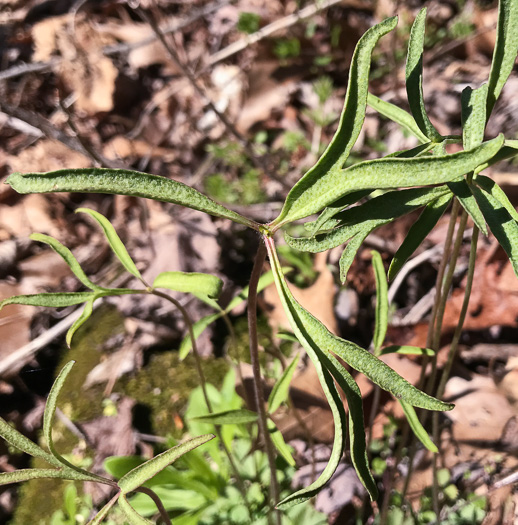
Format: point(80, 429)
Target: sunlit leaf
point(462, 191)
point(67, 256)
point(473, 102)
point(398, 115)
point(407, 350)
point(122, 182)
point(81, 320)
point(199, 284)
point(418, 232)
point(280, 390)
point(228, 417)
point(381, 324)
point(139, 475)
point(502, 225)
point(328, 166)
point(387, 173)
point(20, 475)
point(114, 240)
point(414, 77)
point(279, 443)
point(506, 48)
point(417, 427)
point(56, 300)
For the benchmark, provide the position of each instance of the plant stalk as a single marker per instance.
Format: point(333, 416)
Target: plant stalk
point(256, 368)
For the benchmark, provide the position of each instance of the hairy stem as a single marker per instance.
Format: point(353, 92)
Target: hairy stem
point(256, 368)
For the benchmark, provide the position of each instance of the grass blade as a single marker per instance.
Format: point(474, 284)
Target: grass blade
point(398, 115)
point(238, 416)
point(506, 48)
point(349, 128)
point(122, 182)
point(502, 225)
point(56, 300)
point(67, 256)
point(418, 429)
point(139, 475)
point(382, 305)
point(388, 173)
point(280, 390)
point(116, 244)
point(418, 231)
point(414, 78)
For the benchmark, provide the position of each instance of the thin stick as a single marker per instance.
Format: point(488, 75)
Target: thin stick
point(157, 502)
point(256, 368)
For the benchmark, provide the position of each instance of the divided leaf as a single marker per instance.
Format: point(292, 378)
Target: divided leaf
point(122, 182)
point(414, 77)
point(114, 240)
point(320, 176)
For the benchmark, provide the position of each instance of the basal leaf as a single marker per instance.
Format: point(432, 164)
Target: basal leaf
point(398, 115)
point(278, 442)
point(199, 284)
point(381, 325)
point(18, 440)
point(67, 256)
point(473, 103)
point(506, 48)
point(280, 390)
point(368, 216)
point(81, 320)
point(418, 232)
point(414, 77)
point(122, 182)
point(131, 514)
point(389, 173)
point(311, 329)
point(416, 427)
point(326, 169)
point(56, 300)
point(139, 475)
point(502, 225)
point(461, 190)
point(407, 350)
point(239, 416)
point(114, 240)
point(491, 187)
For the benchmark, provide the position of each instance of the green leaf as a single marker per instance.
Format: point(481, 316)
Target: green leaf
point(328, 167)
point(381, 325)
point(347, 257)
point(414, 77)
point(279, 443)
point(199, 284)
point(139, 475)
point(122, 182)
point(20, 475)
point(462, 190)
point(197, 328)
point(387, 173)
point(114, 240)
point(67, 256)
point(398, 115)
point(506, 48)
point(368, 216)
point(502, 225)
point(417, 428)
point(473, 102)
point(280, 390)
point(131, 514)
point(228, 417)
point(99, 518)
point(418, 231)
point(491, 187)
point(18, 440)
point(56, 300)
point(302, 322)
point(81, 320)
point(407, 350)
